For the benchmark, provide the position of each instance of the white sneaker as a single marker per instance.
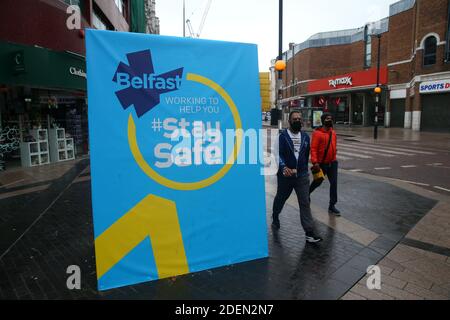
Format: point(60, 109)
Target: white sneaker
point(313, 239)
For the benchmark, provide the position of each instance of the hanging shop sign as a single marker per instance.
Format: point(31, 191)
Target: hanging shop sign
point(19, 62)
point(77, 72)
point(344, 81)
point(166, 121)
point(435, 86)
point(348, 81)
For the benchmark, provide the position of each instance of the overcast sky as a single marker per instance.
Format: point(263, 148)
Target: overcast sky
point(256, 21)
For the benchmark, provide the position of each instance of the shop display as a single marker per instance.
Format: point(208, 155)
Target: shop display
point(9, 141)
point(61, 146)
point(73, 126)
point(35, 153)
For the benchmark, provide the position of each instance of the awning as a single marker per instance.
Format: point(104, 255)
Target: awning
point(40, 67)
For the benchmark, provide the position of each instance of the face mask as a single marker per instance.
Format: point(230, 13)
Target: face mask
point(296, 126)
point(328, 123)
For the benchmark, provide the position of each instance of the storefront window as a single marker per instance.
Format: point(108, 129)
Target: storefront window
point(120, 4)
point(9, 128)
point(39, 127)
point(357, 109)
point(73, 2)
point(98, 23)
point(368, 49)
point(339, 108)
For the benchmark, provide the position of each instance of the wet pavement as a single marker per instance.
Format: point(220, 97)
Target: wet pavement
point(44, 232)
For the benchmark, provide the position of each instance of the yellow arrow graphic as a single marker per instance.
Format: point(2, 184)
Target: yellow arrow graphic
point(153, 217)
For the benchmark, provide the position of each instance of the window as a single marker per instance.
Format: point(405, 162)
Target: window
point(120, 5)
point(429, 52)
point(78, 3)
point(73, 2)
point(447, 43)
point(98, 23)
point(368, 49)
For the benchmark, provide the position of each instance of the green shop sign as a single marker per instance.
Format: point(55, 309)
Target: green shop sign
point(39, 67)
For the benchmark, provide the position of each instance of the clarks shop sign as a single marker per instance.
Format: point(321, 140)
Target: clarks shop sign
point(435, 86)
point(77, 72)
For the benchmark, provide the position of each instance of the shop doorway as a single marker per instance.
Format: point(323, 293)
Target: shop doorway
point(339, 108)
point(38, 127)
point(358, 109)
point(436, 112)
point(398, 113)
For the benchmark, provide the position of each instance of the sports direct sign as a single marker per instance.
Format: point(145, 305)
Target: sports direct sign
point(435, 86)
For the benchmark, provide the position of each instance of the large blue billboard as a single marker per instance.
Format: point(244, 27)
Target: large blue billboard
point(167, 120)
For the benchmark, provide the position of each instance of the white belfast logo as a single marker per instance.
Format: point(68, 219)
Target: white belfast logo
point(340, 81)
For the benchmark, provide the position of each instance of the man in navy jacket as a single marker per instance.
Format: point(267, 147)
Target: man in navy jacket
point(293, 174)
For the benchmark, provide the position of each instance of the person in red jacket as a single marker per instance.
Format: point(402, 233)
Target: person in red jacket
point(323, 155)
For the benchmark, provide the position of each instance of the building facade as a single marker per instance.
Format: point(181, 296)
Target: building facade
point(152, 20)
point(338, 71)
point(264, 83)
point(43, 103)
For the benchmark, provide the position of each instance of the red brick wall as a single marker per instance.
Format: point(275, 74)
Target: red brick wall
point(431, 18)
point(43, 23)
point(406, 32)
point(40, 23)
point(384, 43)
point(401, 36)
point(324, 62)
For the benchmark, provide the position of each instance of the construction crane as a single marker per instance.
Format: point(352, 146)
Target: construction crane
point(202, 23)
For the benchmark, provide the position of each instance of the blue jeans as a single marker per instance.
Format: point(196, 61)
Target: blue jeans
point(331, 171)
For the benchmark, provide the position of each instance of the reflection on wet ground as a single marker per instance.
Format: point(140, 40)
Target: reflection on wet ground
point(376, 216)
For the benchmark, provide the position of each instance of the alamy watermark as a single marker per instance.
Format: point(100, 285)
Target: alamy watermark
point(374, 280)
point(74, 280)
point(73, 22)
point(197, 143)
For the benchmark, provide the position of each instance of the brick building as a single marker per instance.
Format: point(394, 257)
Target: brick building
point(264, 84)
point(152, 19)
point(43, 73)
point(337, 71)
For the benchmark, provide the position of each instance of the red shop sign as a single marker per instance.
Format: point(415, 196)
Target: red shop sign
point(350, 80)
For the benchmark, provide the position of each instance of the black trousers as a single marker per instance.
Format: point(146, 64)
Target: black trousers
point(284, 189)
point(331, 171)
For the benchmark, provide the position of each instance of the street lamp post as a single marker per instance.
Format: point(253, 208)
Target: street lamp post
point(280, 56)
point(184, 18)
point(377, 90)
point(292, 48)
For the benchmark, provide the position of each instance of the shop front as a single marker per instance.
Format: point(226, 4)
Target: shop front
point(43, 106)
point(435, 102)
point(349, 98)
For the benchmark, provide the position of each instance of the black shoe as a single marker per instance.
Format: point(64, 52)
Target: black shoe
point(276, 224)
point(312, 238)
point(334, 210)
